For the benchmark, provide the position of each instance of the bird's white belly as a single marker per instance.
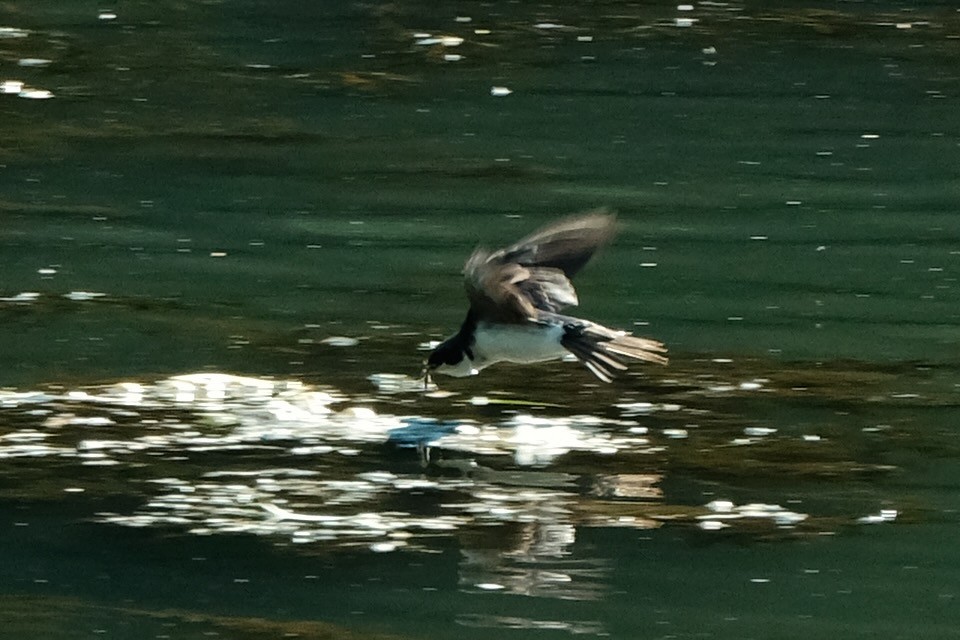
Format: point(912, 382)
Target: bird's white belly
point(520, 343)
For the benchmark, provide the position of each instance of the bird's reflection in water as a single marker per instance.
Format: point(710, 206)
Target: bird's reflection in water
point(218, 454)
point(531, 559)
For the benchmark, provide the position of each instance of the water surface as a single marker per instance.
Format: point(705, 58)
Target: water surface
point(230, 231)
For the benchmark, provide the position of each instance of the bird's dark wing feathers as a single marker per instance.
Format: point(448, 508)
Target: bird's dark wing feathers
point(566, 245)
point(518, 282)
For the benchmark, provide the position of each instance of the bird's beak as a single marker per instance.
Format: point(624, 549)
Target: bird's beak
point(425, 374)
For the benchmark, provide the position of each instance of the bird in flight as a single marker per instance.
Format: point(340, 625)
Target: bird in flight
point(516, 295)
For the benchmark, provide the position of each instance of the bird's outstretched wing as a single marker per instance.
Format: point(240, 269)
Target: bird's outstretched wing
point(518, 282)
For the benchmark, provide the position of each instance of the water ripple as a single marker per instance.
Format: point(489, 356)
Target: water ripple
point(216, 454)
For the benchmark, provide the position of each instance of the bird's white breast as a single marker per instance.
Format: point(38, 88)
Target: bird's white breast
point(521, 343)
point(462, 369)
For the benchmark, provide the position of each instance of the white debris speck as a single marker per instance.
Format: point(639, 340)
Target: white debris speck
point(33, 62)
point(340, 341)
point(499, 92)
point(885, 515)
point(107, 15)
point(637, 407)
point(720, 506)
point(26, 296)
point(445, 41)
point(13, 32)
point(789, 518)
point(83, 296)
point(11, 86)
point(35, 94)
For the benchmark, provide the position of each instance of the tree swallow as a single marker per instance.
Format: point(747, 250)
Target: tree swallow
point(516, 295)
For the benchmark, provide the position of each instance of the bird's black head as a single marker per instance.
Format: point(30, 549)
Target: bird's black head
point(449, 352)
point(453, 357)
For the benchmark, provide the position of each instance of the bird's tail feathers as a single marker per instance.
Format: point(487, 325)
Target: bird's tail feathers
point(637, 348)
point(602, 350)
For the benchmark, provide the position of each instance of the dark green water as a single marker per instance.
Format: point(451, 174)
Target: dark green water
point(230, 229)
